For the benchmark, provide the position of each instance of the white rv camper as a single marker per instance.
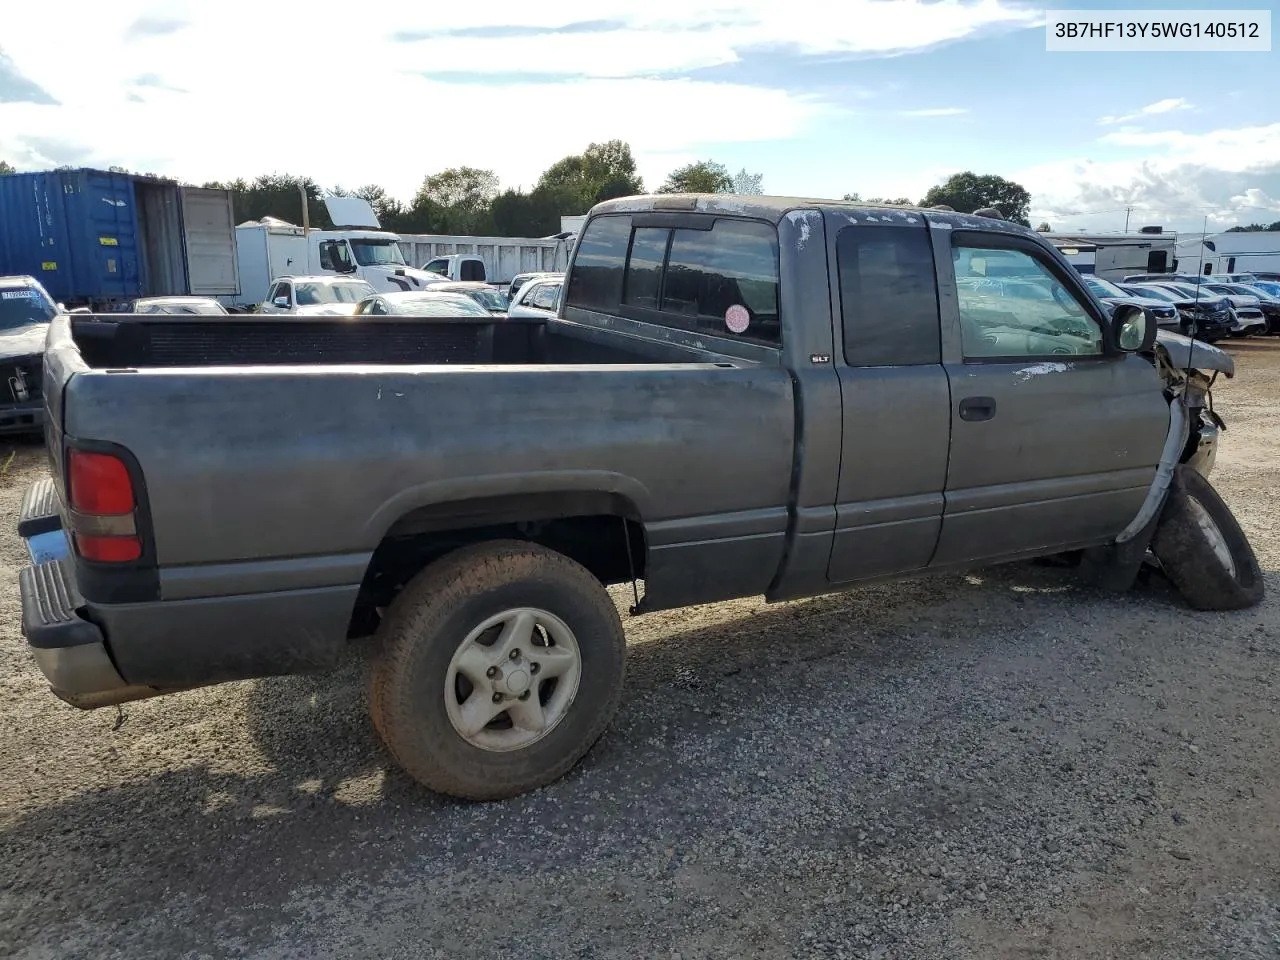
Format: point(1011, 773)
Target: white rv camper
point(1215, 253)
point(1113, 256)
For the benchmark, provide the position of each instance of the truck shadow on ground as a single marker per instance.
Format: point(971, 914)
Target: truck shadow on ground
point(330, 808)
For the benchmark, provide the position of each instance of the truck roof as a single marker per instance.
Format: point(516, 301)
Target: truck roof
point(775, 209)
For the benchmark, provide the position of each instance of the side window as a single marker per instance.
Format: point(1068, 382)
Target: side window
point(327, 261)
point(1231, 265)
point(643, 283)
point(281, 290)
point(544, 298)
point(595, 281)
point(888, 297)
point(378, 308)
point(438, 266)
point(725, 280)
point(1011, 306)
point(1158, 261)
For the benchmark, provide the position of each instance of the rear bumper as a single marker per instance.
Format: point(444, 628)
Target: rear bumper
point(70, 651)
point(99, 654)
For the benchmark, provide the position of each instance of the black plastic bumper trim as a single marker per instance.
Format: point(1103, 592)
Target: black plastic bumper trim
point(39, 512)
point(49, 608)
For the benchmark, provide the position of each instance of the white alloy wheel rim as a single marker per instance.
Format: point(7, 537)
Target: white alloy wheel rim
point(1217, 542)
point(513, 679)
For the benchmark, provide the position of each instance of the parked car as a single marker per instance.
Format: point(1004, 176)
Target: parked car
point(1165, 313)
point(315, 296)
point(1210, 318)
point(717, 411)
point(1160, 278)
point(180, 305)
point(1268, 301)
point(25, 311)
point(1230, 277)
point(491, 298)
point(1246, 311)
point(421, 303)
point(537, 298)
point(520, 279)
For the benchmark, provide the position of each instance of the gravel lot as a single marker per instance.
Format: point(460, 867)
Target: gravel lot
point(1002, 765)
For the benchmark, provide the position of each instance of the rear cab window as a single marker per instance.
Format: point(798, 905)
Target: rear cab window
point(721, 281)
point(888, 296)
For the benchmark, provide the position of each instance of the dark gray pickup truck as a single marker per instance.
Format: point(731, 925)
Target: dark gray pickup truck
point(740, 396)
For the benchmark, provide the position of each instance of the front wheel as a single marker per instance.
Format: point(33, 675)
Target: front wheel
point(500, 666)
point(1201, 547)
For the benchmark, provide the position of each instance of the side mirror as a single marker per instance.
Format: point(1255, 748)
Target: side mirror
point(1133, 329)
point(281, 302)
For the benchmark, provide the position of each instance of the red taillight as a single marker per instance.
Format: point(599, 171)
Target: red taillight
point(101, 501)
point(99, 483)
point(108, 549)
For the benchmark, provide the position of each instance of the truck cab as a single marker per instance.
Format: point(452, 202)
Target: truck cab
point(459, 267)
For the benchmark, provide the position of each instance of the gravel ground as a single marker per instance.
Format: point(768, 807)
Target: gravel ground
point(1002, 765)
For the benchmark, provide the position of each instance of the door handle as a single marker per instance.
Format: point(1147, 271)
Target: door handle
point(977, 408)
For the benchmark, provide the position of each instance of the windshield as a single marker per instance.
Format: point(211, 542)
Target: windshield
point(23, 306)
point(1153, 292)
point(1103, 288)
point(370, 252)
point(310, 294)
point(489, 299)
point(437, 306)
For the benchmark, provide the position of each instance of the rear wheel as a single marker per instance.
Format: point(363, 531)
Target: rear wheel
point(500, 666)
point(1201, 547)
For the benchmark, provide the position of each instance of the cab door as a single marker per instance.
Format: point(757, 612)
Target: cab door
point(894, 393)
point(1054, 440)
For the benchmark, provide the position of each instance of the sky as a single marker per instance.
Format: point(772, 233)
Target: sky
point(879, 97)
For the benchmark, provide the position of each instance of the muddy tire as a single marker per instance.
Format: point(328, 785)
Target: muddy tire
point(500, 665)
point(1202, 549)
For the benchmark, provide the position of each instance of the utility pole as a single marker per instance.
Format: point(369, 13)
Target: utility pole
point(1127, 211)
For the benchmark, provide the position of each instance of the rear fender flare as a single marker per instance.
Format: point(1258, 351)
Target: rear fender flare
point(633, 496)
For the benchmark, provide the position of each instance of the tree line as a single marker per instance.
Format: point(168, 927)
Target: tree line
point(468, 201)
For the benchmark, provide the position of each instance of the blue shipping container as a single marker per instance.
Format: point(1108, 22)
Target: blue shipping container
point(93, 236)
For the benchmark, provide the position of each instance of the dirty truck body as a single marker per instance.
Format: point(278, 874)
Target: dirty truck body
point(739, 397)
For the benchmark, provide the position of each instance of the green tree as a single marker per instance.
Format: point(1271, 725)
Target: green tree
point(534, 214)
point(705, 176)
point(5, 167)
point(276, 195)
point(879, 201)
point(1044, 227)
point(385, 207)
point(603, 171)
point(747, 184)
point(966, 192)
point(1246, 228)
point(462, 197)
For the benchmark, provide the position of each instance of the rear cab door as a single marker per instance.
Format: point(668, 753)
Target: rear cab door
point(1054, 441)
point(894, 394)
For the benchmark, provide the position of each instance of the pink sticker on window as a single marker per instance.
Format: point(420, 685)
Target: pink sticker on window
point(736, 318)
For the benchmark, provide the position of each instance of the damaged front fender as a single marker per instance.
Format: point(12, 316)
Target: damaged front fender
point(1183, 353)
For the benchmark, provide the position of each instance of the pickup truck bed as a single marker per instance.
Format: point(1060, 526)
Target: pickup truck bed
point(269, 488)
point(740, 396)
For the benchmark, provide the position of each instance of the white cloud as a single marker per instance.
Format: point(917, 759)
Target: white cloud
point(322, 88)
point(1168, 105)
point(935, 112)
point(1230, 175)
